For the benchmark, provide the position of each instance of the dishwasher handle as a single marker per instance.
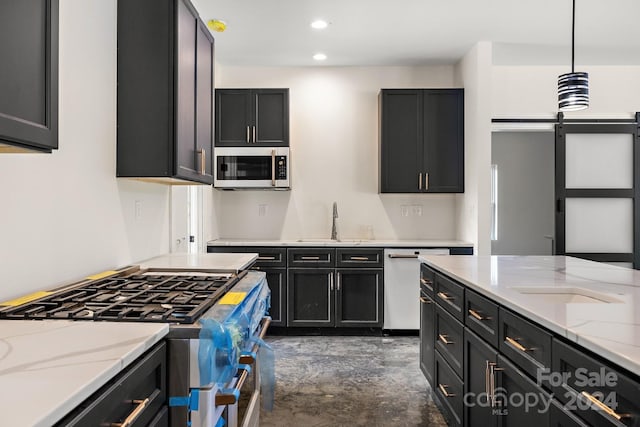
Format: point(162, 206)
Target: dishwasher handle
point(403, 255)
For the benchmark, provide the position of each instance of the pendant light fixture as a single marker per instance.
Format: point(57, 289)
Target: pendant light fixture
point(573, 87)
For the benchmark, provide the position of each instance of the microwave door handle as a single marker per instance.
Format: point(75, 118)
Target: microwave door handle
point(273, 168)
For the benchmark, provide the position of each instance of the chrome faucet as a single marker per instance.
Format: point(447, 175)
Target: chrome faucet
point(334, 230)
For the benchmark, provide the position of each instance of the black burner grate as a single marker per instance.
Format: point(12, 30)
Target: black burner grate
point(134, 298)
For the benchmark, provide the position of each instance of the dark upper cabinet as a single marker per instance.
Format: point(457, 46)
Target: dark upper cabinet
point(421, 141)
point(165, 92)
point(29, 75)
point(252, 116)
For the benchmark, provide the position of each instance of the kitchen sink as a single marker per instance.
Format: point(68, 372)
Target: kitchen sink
point(567, 295)
point(331, 240)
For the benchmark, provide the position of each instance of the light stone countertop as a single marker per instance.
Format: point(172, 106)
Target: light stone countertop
point(343, 243)
point(49, 367)
point(215, 262)
point(610, 329)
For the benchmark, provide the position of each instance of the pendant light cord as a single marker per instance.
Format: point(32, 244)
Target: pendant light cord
point(573, 34)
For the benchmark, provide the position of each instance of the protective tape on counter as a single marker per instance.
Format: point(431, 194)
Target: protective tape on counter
point(221, 422)
point(245, 367)
point(251, 354)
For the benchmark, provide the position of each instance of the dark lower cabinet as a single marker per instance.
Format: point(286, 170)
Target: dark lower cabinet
point(310, 299)
point(140, 388)
point(29, 75)
point(520, 402)
point(277, 280)
point(359, 297)
point(427, 336)
point(477, 357)
point(450, 391)
point(560, 417)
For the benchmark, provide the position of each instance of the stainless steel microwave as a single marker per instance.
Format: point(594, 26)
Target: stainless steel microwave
point(252, 168)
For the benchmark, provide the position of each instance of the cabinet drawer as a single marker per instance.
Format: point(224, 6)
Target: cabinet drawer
point(270, 257)
point(481, 316)
point(524, 343)
point(449, 339)
point(449, 390)
point(311, 257)
point(367, 258)
point(144, 381)
point(427, 280)
point(450, 295)
point(585, 378)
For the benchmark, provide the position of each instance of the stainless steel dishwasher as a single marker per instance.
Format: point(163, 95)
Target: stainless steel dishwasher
point(402, 287)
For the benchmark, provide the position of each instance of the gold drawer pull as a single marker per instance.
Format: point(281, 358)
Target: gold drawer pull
point(444, 339)
point(310, 258)
point(359, 258)
point(134, 414)
point(517, 345)
point(425, 300)
point(443, 389)
point(266, 258)
point(445, 296)
point(601, 406)
point(477, 315)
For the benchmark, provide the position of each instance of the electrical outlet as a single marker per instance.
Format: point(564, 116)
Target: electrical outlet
point(137, 206)
point(404, 210)
point(416, 210)
point(262, 210)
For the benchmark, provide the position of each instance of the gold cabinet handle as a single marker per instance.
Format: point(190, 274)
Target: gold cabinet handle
point(403, 255)
point(266, 258)
point(601, 406)
point(477, 315)
point(338, 281)
point(445, 296)
point(443, 389)
point(490, 376)
point(420, 181)
point(516, 344)
point(141, 404)
point(425, 300)
point(248, 140)
point(444, 339)
point(359, 258)
point(426, 180)
point(254, 134)
point(310, 258)
point(203, 161)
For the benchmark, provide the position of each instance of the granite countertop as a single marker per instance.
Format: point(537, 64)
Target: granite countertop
point(343, 242)
point(47, 368)
point(216, 263)
point(610, 329)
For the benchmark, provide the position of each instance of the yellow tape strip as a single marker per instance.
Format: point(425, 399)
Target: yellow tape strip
point(101, 275)
point(25, 299)
point(232, 298)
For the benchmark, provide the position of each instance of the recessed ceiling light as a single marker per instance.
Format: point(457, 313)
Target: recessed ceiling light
point(319, 24)
point(319, 56)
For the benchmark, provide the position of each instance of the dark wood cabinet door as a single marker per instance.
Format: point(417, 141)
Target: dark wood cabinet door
point(233, 125)
point(29, 75)
point(277, 280)
point(443, 160)
point(204, 104)
point(477, 409)
point(427, 337)
point(185, 90)
point(310, 297)
point(270, 117)
point(560, 417)
point(514, 389)
point(401, 141)
point(359, 297)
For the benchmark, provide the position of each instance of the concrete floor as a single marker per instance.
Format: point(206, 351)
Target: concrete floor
point(349, 381)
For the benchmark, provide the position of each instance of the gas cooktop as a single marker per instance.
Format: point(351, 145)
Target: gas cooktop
point(169, 297)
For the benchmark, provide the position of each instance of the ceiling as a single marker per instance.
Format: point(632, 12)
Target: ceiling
point(423, 32)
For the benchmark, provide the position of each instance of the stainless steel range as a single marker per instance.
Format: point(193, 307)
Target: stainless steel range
point(183, 298)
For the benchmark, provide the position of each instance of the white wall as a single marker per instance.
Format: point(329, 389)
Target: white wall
point(65, 215)
point(334, 146)
point(473, 72)
point(532, 91)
